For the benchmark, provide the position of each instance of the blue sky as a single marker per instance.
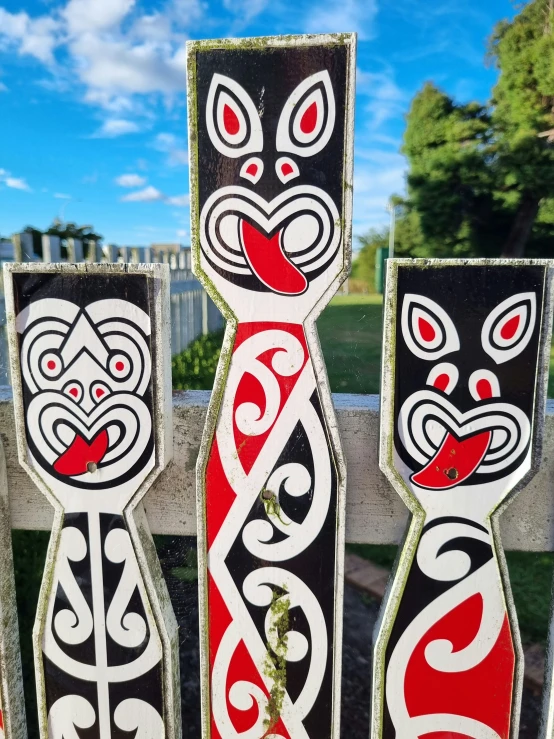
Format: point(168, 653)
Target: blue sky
point(93, 105)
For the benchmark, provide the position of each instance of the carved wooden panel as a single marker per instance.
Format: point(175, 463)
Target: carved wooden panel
point(271, 136)
point(89, 368)
point(466, 347)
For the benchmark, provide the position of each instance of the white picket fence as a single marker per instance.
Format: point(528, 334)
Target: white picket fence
point(193, 313)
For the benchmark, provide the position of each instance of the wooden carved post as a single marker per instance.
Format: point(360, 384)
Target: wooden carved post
point(12, 709)
point(465, 357)
point(90, 370)
point(271, 136)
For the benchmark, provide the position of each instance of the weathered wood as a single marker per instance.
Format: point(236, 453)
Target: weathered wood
point(465, 367)
point(12, 708)
point(90, 362)
point(271, 476)
point(374, 512)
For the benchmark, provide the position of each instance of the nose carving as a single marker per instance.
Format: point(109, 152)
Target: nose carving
point(483, 385)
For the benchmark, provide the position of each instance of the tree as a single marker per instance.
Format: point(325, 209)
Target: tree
point(523, 109)
point(71, 230)
point(481, 177)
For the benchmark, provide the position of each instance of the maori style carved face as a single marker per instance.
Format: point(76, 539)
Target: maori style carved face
point(470, 338)
point(86, 370)
point(281, 136)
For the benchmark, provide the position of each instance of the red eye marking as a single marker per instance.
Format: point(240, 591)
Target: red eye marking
point(252, 170)
point(309, 119)
point(509, 329)
point(287, 169)
point(73, 391)
point(100, 392)
point(426, 330)
point(441, 383)
point(230, 121)
point(51, 364)
point(119, 366)
point(484, 389)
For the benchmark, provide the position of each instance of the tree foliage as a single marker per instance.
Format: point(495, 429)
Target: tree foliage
point(480, 177)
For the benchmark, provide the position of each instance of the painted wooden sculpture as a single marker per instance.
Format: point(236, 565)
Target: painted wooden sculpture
point(270, 142)
point(90, 378)
point(12, 709)
point(465, 353)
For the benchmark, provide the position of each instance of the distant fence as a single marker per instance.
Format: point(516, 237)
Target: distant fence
point(192, 311)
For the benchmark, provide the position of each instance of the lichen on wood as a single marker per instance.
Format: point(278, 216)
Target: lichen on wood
point(275, 667)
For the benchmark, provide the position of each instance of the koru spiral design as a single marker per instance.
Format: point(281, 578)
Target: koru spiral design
point(464, 354)
point(86, 386)
point(269, 214)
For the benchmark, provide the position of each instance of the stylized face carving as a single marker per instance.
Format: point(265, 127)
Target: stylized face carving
point(271, 130)
point(86, 371)
point(466, 372)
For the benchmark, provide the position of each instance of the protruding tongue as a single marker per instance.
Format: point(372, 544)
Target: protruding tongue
point(454, 462)
point(269, 263)
point(80, 453)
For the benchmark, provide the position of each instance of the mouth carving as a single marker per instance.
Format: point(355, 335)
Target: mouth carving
point(281, 243)
point(80, 454)
point(113, 436)
point(451, 446)
point(269, 263)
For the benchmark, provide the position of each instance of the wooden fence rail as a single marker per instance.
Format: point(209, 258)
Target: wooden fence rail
point(374, 512)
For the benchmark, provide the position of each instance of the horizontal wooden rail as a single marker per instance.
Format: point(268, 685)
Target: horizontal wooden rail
point(375, 514)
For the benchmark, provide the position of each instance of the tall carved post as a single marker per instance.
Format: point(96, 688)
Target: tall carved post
point(271, 167)
point(465, 364)
point(90, 370)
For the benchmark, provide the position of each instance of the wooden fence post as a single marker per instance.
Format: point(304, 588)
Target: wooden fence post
point(92, 400)
point(270, 120)
point(12, 708)
point(465, 367)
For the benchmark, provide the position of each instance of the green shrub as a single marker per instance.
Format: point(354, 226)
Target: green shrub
point(194, 368)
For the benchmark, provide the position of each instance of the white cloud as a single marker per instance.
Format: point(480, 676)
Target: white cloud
point(62, 196)
point(148, 195)
point(130, 180)
point(116, 127)
point(182, 233)
point(347, 15)
point(179, 200)
point(3, 87)
point(35, 37)
point(177, 154)
point(386, 99)
point(84, 16)
point(16, 183)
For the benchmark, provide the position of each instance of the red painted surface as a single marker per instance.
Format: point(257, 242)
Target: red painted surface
point(483, 693)
point(219, 499)
point(269, 262)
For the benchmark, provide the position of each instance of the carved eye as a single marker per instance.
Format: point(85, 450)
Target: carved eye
point(120, 366)
point(484, 385)
point(252, 169)
point(308, 118)
point(509, 327)
point(232, 120)
point(51, 365)
point(286, 169)
point(98, 391)
point(74, 390)
point(444, 377)
point(427, 329)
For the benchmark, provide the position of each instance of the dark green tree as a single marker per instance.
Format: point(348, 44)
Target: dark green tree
point(522, 111)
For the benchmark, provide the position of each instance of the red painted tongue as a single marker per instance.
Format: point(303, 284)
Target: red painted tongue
point(269, 263)
point(454, 462)
point(80, 453)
